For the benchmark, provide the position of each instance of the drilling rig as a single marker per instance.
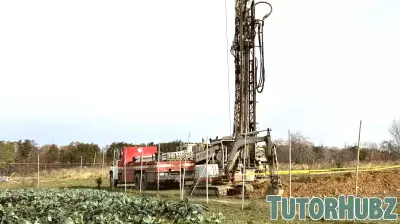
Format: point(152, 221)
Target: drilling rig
point(228, 153)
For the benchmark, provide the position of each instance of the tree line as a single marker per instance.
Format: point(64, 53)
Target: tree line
point(303, 150)
point(26, 151)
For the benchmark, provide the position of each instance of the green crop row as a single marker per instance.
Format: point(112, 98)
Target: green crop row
point(69, 206)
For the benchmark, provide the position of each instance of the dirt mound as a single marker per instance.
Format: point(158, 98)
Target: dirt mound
point(322, 186)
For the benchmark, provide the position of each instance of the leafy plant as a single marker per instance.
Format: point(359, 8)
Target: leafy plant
point(92, 206)
point(99, 181)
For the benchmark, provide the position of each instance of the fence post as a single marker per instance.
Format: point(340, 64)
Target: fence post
point(81, 170)
point(180, 171)
point(94, 159)
point(125, 168)
point(244, 167)
point(38, 168)
point(330, 163)
point(141, 171)
point(158, 171)
point(184, 169)
point(102, 168)
point(358, 156)
point(207, 169)
point(290, 166)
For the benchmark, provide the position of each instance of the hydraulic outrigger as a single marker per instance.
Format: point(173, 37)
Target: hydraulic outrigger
point(270, 155)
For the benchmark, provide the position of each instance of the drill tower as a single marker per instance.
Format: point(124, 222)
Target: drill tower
point(249, 70)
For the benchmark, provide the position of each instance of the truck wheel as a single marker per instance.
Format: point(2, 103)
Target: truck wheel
point(144, 183)
point(137, 184)
point(113, 183)
point(111, 180)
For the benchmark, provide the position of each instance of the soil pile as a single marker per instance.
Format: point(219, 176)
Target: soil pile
point(377, 182)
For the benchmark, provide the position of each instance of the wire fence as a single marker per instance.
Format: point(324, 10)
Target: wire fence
point(29, 169)
point(51, 174)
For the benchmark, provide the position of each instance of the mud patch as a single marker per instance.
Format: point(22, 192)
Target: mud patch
point(377, 182)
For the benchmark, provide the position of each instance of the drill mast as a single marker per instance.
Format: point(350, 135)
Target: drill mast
point(229, 151)
point(247, 80)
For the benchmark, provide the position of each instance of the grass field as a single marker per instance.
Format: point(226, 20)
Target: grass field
point(254, 211)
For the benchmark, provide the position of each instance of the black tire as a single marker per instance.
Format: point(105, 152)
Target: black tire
point(137, 184)
point(113, 183)
point(144, 182)
point(111, 180)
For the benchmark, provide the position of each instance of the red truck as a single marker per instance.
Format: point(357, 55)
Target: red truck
point(134, 162)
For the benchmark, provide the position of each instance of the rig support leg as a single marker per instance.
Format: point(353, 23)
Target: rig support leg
point(276, 187)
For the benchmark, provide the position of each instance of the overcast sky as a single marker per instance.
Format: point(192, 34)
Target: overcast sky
point(141, 71)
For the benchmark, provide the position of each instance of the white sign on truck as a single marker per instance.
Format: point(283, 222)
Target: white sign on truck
point(212, 170)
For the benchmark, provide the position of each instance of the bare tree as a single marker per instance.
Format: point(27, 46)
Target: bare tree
point(302, 148)
point(282, 149)
point(370, 150)
point(394, 130)
point(386, 147)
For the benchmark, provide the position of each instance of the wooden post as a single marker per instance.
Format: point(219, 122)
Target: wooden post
point(38, 168)
point(180, 170)
point(312, 166)
point(141, 171)
point(207, 170)
point(330, 163)
point(94, 160)
point(358, 156)
point(81, 169)
point(125, 168)
point(184, 169)
point(158, 171)
point(113, 162)
point(180, 178)
point(102, 168)
point(223, 155)
point(244, 167)
point(290, 166)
